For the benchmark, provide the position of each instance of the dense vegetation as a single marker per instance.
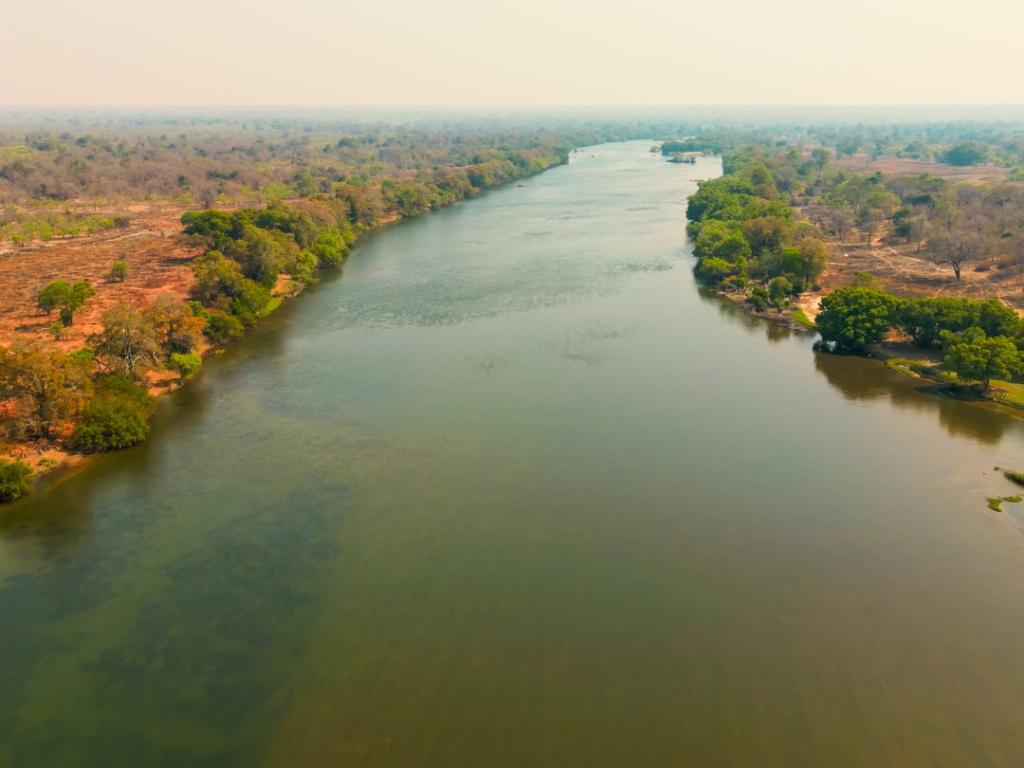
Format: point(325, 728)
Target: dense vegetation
point(979, 340)
point(746, 236)
point(749, 237)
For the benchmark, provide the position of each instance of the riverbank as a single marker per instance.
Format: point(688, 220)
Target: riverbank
point(757, 247)
point(164, 269)
point(486, 481)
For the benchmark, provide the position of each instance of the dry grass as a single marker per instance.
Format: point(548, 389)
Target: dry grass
point(987, 173)
point(157, 254)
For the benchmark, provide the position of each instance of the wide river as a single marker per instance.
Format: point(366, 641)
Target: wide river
point(511, 492)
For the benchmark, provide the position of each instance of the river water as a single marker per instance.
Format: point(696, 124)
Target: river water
point(511, 492)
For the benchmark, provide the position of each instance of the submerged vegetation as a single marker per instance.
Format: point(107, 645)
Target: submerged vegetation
point(995, 503)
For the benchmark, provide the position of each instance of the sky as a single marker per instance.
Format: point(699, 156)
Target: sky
point(526, 53)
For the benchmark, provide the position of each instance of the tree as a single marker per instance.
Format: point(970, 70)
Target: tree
point(767, 233)
point(853, 318)
point(820, 157)
point(779, 290)
point(841, 221)
point(176, 328)
point(68, 297)
point(329, 248)
point(722, 240)
point(15, 479)
point(128, 343)
point(218, 279)
point(222, 327)
point(974, 356)
point(957, 245)
point(117, 417)
point(48, 387)
point(804, 261)
point(713, 271)
point(966, 153)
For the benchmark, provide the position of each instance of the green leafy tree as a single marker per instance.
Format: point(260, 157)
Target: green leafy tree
point(218, 280)
point(973, 356)
point(15, 479)
point(714, 271)
point(779, 290)
point(65, 296)
point(186, 364)
point(966, 153)
point(117, 417)
point(222, 327)
point(329, 248)
point(722, 240)
point(853, 318)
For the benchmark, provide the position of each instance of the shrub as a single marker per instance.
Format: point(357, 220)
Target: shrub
point(116, 418)
point(779, 290)
point(330, 248)
point(222, 327)
point(712, 270)
point(186, 363)
point(119, 271)
point(758, 297)
point(15, 479)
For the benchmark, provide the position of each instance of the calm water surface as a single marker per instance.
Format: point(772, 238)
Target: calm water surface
point(512, 493)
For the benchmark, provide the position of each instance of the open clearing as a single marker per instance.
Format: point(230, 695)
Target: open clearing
point(158, 257)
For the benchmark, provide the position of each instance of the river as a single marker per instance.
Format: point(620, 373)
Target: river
point(511, 492)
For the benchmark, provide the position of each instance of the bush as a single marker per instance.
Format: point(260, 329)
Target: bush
point(117, 417)
point(758, 297)
point(119, 271)
point(248, 306)
point(713, 271)
point(15, 479)
point(779, 290)
point(186, 363)
point(222, 327)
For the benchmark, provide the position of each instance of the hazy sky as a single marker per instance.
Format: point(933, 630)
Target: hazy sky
point(528, 52)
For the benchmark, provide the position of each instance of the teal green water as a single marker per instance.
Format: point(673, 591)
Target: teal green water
point(510, 492)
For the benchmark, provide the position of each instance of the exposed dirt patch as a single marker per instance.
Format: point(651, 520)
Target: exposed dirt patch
point(987, 173)
point(158, 257)
point(903, 271)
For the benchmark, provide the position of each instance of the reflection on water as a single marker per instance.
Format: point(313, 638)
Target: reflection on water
point(511, 493)
point(860, 379)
